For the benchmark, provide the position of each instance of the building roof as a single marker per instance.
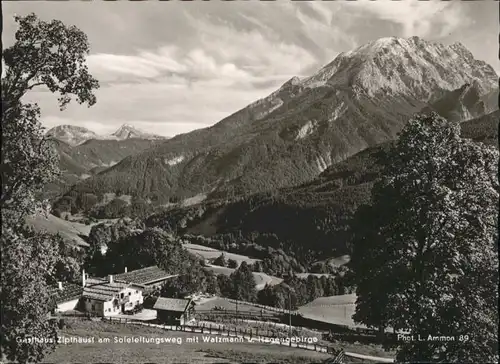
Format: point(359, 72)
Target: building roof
point(171, 304)
point(70, 292)
point(144, 276)
point(103, 291)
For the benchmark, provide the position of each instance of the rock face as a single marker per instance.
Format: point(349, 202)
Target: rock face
point(361, 99)
point(70, 134)
point(127, 131)
point(76, 135)
point(412, 67)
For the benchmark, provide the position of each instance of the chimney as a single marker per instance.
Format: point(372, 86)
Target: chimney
point(125, 269)
point(83, 278)
point(60, 286)
point(110, 277)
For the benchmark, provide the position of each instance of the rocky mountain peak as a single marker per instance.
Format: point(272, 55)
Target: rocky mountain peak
point(413, 67)
point(75, 135)
point(71, 134)
point(127, 131)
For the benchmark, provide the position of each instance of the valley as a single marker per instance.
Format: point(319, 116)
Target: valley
point(90, 157)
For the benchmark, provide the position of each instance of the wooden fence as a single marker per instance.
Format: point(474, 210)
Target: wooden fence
point(299, 319)
point(264, 307)
point(241, 315)
point(247, 334)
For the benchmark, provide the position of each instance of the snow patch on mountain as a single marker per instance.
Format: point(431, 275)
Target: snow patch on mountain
point(274, 101)
point(127, 131)
point(70, 134)
point(322, 163)
point(337, 112)
point(277, 103)
point(109, 164)
point(174, 161)
point(306, 130)
point(398, 66)
point(76, 135)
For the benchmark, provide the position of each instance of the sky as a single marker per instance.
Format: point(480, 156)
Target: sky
point(172, 67)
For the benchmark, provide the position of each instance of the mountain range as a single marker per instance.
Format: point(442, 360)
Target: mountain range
point(83, 153)
point(361, 99)
point(76, 135)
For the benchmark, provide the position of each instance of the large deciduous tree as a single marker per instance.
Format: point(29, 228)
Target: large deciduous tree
point(28, 261)
point(51, 55)
point(45, 54)
point(425, 251)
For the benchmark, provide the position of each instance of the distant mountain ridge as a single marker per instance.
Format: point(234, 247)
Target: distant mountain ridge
point(361, 99)
point(89, 157)
point(76, 135)
point(314, 215)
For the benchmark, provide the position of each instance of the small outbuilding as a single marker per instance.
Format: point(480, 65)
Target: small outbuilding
point(174, 311)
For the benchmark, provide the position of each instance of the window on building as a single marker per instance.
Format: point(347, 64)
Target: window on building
point(136, 291)
point(93, 307)
point(129, 293)
point(121, 295)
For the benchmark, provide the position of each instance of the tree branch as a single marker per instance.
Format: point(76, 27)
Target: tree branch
point(34, 85)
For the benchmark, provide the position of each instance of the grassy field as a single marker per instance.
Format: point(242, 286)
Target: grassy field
point(334, 300)
point(70, 231)
point(337, 261)
point(261, 279)
point(225, 303)
point(319, 275)
point(178, 352)
point(333, 309)
point(211, 253)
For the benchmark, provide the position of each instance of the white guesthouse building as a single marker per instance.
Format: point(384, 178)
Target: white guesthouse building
point(106, 297)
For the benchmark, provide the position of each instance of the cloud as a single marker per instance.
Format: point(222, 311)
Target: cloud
point(255, 50)
point(421, 18)
point(144, 64)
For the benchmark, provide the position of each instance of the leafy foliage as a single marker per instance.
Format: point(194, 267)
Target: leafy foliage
point(243, 283)
point(197, 280)
point(231, 263)
point(28, 162)
point(116, 208)
point(221, 261)
point(127, 245)
point(52, 55)
point(303, 291)
point(281, 296)
point(48, 54)
point(425, 258)
point(239, 285)
point(69, 262)
point(28, 261)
